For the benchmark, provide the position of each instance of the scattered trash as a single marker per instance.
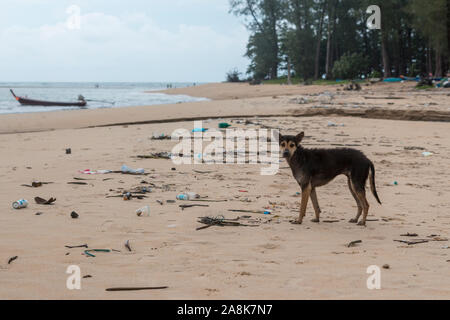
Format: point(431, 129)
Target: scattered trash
point(395, 183)
point(332, 124)
point(68, 151)
point(127, 245)
point(410, 243)
point(353, 86)
point(220, 221)
point(248, 211)
point(156, 155)
point(353, 243)
point(88, 252)
point(78, 183)
point(160, 136)
point(74, 215)
point(188, 196)
point(88, 171)
point(170, 201)
point(12, 259)
point(199, 130)
point(409, 235)
point(224, 125)
point(20, 204)
point(331, 221)
point(185, 206)
point(128, 170)
point(42, 201)
point(386, 266)
point(267, 212)
point(35, 184)
point(80, 246)
point(143, 212)
point(127, 196)
point(38, 213)
point(136, 288)
point(87, 276)
point(427, 154)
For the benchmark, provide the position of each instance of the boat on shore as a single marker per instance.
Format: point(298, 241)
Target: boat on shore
point(32, 102)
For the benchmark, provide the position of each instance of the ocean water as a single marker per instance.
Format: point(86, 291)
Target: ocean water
point(106, 95)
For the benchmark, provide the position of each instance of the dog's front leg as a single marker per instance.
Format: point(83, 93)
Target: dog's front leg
point(306, 193)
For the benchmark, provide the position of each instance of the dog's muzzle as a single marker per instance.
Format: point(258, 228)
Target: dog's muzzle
point(286, 154)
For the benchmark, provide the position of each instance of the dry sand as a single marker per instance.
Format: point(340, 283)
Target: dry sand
point(275, 260)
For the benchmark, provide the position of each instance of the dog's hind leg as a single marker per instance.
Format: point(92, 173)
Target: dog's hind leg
point(361, 194)
point(358, 203)
point(315, 203)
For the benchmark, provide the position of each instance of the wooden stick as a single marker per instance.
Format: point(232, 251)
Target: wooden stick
point(136, 288)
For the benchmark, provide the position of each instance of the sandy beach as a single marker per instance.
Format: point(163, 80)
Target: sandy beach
point(393, 124)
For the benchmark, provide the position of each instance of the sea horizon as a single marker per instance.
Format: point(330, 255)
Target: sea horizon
point(98, 94)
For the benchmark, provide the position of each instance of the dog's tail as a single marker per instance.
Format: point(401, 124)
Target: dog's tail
point(372, 183)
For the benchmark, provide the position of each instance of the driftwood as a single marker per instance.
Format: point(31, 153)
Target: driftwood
point(220, 221)
point(136, 288)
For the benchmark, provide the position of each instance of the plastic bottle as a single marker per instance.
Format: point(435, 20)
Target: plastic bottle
point(143, 212)
point(19, 204)
point(188, 196)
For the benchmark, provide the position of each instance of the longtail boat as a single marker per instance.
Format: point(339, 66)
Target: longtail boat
point(32, 102)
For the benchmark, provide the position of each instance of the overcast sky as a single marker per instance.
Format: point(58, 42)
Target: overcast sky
point(120, 40)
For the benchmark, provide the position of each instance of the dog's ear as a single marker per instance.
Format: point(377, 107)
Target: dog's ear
point(280, 137)
point(299, 137)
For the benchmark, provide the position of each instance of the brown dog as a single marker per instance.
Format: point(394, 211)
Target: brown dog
point(314, 168)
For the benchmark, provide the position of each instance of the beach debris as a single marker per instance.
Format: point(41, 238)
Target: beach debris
point(354, 243)
point(143, 212)
point(74, 215)
point(185, 206)
point(427, 154)
point(78, 183)
point(331, 221)
point(409, 235)
point(156, 155)
point(247, 211)
point(224, 125)
point(38, 213)
point(79, 246)
point(395, 183)
point(413, 242)
point(127, 170)
point(12, 259)
point(127, 245)
point(333, 124)
point(188, 196)
point(413, 148)
point(220, 221)
point(68, 151)
point(127, 196)
point(170, 201)
point(87, 276)
point(42, 201)
point(89, 171)
point(20, 204)
point(89, 254)
point(35, 184)
point(352, 86)
point(160, 136)
point(136, 288)
point(386, 266)
point(199, 130)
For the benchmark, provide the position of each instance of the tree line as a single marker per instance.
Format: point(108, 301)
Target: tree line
point(330, 38)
